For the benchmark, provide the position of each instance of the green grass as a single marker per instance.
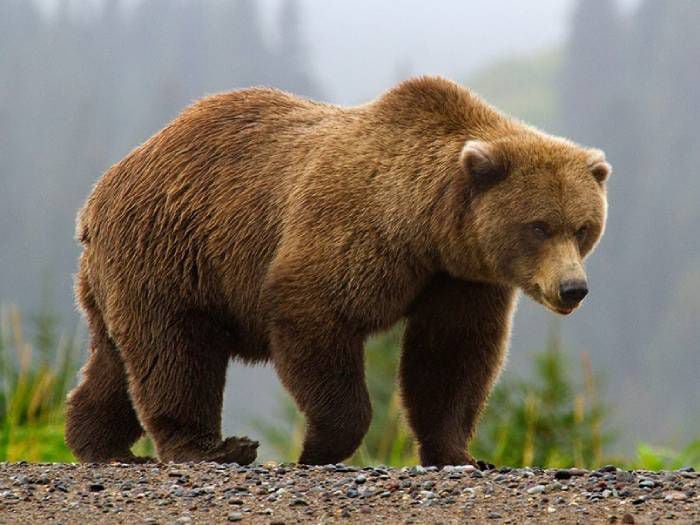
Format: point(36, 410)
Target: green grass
point(661, 458)
point(35, 376)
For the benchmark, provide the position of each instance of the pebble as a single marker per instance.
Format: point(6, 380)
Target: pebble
point(234, 516)
point(625, 476)
point(676, 495)
point(537, 489)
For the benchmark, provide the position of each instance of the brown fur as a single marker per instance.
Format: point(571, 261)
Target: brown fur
point(262, 226)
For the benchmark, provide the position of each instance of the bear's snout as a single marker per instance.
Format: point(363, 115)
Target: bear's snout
point(572, 292)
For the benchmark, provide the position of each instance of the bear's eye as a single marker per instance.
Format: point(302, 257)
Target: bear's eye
point(582, 233)
point(541, 230)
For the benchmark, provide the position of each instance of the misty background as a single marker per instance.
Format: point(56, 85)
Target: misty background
point(83, 82)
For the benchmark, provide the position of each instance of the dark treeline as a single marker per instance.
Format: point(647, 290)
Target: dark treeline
point(630, 84)
point(78, 90)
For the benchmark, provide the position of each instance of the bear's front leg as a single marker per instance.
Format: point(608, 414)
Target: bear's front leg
point(454, 345)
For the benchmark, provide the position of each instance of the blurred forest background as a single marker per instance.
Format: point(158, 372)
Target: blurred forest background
point(82, 83)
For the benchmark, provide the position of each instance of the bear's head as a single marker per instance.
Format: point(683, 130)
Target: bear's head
point(538, 207)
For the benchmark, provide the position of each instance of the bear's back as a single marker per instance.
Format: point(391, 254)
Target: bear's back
point(194, 213)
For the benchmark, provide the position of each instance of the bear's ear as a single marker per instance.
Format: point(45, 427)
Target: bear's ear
point(483, 162)
point(599, 167)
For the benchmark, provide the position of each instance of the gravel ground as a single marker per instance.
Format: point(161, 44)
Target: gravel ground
point(213, 493)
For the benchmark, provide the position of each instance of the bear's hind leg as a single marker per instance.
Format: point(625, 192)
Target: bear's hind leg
point(177, 385)
point(101, 425)
point(327, 380)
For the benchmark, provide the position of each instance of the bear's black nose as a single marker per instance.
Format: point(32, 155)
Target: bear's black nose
point(572, 292)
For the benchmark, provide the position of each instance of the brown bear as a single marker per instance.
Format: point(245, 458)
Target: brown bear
point(266, 227)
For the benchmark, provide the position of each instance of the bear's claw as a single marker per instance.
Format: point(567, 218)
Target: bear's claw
point(239, 450)
point(483, 465)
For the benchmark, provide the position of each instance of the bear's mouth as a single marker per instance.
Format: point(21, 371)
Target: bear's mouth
point(538, 295)
point(557, 308)
point(564, 311)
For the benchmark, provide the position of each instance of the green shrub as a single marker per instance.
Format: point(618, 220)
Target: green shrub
point(547, 420)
